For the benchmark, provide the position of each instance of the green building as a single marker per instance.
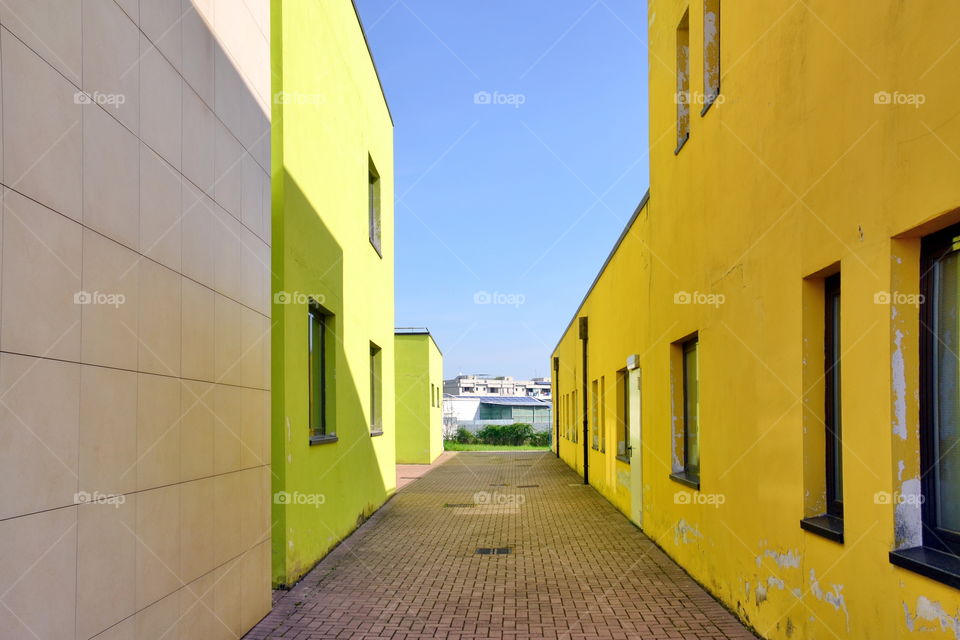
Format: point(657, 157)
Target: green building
point(333, 458)
point(419, 397)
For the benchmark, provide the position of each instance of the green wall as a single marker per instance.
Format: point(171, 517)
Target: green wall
point(419, 376)
point(330, 120)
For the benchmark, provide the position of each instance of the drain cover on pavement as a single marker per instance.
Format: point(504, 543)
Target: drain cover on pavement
point(494, 551)
point(527, 486)
point(460, 504)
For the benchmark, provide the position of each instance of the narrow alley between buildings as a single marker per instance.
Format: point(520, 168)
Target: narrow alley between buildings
point(561, 562)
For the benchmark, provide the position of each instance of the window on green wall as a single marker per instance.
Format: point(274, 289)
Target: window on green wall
point(320, 327)
point(376, 390)
point(373, 198)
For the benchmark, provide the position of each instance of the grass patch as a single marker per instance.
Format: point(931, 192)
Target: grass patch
point(456, 446)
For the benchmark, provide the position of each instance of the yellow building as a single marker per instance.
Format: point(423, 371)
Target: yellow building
point(419, 397)
point(798, 150)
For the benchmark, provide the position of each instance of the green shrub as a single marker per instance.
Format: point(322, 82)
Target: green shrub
point(540, 439)
point(514, 434)
point(464, 436)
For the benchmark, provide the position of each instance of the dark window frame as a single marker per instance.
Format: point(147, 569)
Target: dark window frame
point(933, 248)
point(833, 424)
point(623, 384)
point(319, 326)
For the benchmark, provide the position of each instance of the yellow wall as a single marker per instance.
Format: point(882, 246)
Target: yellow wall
point(794, 171)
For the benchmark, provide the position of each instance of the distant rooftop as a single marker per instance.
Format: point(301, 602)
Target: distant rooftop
point(412, 330)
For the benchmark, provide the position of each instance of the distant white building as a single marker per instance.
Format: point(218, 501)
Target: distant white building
point(474, 412)
point(483, 385)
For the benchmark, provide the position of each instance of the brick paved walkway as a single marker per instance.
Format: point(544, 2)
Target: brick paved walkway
point(578, 569)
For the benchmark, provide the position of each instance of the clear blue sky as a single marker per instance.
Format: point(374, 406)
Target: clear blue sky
point(521, 198)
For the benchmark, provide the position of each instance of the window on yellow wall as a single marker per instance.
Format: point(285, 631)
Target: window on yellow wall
point(594, 414)
point(691, 410)
point(623, 414)
point(576, 417)
point(682, 96)
point(603, 414)
point(711, 53)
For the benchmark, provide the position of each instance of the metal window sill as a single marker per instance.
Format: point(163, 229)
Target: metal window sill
point(933, 564)
point(374, 434)
point(681, 143)
point(623, 459)
point(686, 480)
point(326, 438)
point(827, 526)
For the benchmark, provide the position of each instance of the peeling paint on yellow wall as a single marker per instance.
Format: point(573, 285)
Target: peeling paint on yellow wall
point(932, 612)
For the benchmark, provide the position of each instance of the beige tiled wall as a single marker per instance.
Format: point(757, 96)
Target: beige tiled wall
point(156, 394)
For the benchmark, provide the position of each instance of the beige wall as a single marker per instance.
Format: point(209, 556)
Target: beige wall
point(161, 396)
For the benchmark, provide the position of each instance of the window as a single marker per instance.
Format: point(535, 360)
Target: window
point(594, 418)
point(373, 198)
point(687, 369)
point(940, 391)
point(711, 53)
point(376, 390)
point(623, 414)
point(432, 396)
point(683, 81)
point(831, 376)
point(603, 414)
point(576, 417)
point(938, 557)
point(318, 342)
